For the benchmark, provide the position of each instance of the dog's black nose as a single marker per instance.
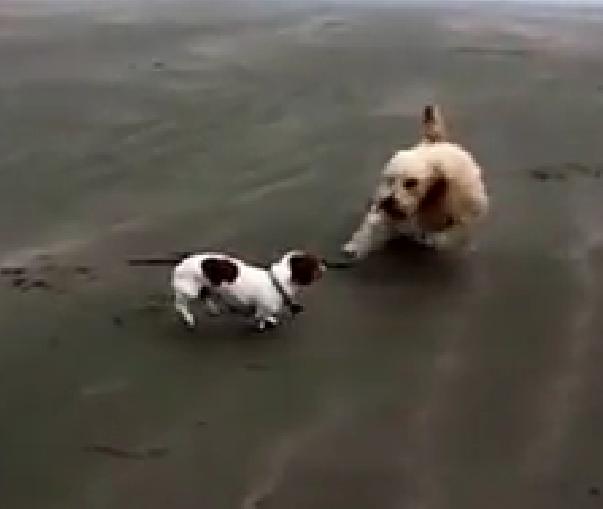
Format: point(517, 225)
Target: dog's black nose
point(389, 205)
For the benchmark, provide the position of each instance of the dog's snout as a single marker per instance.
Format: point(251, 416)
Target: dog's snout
point(387, 203)
point(390, 206)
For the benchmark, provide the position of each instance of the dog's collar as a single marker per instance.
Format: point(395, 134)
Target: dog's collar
point(289, 303)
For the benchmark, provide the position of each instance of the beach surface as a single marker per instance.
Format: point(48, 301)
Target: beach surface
point(412, 381)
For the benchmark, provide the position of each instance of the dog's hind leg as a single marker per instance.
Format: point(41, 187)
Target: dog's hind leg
point(212, 307)
point(210, 304)
point(455, 237)
point(181, 304)
point(186, 289)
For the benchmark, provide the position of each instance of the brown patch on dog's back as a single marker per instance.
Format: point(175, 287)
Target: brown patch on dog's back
point(305, 268)
point(219, 270)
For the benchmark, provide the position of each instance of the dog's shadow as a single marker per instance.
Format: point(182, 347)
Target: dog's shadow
point(228, 326)
point(407, 262)
point(155, 312)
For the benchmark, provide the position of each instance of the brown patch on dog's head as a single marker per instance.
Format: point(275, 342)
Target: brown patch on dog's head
point(433, 127)
point(305, 268)
point(219, 270)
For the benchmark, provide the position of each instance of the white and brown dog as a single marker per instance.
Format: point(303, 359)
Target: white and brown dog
point(222, 281)
point(433, 192)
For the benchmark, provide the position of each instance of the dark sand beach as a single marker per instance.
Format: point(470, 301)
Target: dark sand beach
point(413, 381)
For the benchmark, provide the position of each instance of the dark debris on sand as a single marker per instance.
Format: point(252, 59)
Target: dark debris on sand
point(19, 282)
point(12, 271)
point(565, 171)
point(491, 51)
point(24, 283)
point(122, 453)
point(118, 321)
point(40, 283)
point(44, 274)
point(257, 366)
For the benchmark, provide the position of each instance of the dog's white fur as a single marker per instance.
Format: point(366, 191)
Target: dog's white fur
point(252, 291)
point(447, 220)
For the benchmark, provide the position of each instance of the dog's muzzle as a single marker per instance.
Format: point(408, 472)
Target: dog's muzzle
point(390, 206)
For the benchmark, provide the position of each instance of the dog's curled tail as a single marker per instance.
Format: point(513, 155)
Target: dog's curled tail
point(433, 126)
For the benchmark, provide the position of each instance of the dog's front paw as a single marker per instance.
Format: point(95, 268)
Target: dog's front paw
point(271, 322)
point(263, 324)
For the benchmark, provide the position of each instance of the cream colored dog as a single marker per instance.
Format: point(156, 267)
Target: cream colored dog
point(433, 192)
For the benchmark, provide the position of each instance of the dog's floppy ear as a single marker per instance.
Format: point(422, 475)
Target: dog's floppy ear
point(433, 127)
point(436, 192)
point(305, 268)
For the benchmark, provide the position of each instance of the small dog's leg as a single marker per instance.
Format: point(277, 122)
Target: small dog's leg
point(259, 320)
point(264, 321)
point(181, 305)
point(264, 324)
point(271, 322)
point(260, 324)
point(212, 307)
point(374, 231)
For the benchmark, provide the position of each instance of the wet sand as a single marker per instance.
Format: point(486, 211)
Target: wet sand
point(412, 381)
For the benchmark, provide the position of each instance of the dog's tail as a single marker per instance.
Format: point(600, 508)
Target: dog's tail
point(433, 127)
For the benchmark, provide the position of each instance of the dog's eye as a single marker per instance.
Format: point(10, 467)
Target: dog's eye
point(410, 183)
point(390, 181)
